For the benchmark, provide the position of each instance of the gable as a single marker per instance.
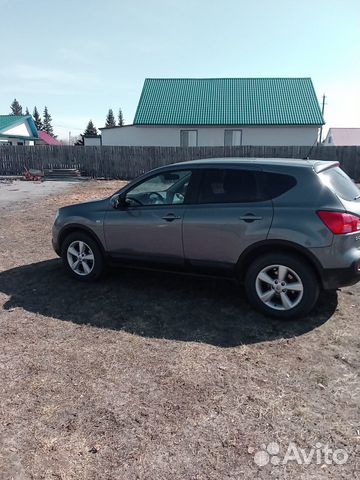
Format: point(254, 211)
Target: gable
point(228, 101)
point(21, 130)
point(18, 125)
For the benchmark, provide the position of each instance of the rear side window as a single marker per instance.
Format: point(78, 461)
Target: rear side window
point(275, 184)
point(229, 186)
point(342, 185)
point(242, 186)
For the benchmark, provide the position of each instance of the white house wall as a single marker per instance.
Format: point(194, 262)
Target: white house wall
point(208, 136)
point(92, 142)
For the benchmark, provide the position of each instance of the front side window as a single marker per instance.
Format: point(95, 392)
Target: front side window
point(232, 138)
point(167, 188)
point(229, 186)
point(188, 138)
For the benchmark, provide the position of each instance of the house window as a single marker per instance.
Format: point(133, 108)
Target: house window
point(232, 138)
point(20, 143)
point(188, 138)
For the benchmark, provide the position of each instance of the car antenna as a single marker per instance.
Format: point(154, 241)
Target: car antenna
point(307, 156)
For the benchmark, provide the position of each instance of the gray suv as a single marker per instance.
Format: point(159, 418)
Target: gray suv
point(286, 228)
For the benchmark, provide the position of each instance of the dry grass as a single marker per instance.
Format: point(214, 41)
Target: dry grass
point(157, 376)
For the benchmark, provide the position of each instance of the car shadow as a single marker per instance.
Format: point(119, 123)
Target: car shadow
point(152, 304)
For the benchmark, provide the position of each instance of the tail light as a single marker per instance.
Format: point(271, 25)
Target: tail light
point(340, 223)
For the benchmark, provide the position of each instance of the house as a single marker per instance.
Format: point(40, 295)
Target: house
point(340, 137)
point(191, 112)
point(17, 130)
point(46, 139)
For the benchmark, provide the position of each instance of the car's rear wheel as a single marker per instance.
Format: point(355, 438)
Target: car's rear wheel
point(82, 257)
point(282, 285)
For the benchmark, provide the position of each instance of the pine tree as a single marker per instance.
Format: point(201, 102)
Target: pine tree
point(27, 111)
point(110, 119)
point(90, 129)
point(47, 127)
point(79, 142)
point(37, 120)
point(16, 108)
point(120, 118)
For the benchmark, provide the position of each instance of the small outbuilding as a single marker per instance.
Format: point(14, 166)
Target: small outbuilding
point(342, 137)
point(92, 140)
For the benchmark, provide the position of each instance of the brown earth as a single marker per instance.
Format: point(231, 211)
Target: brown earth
point(155, 376)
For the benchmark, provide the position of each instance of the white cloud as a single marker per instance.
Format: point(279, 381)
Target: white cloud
point(35, 73)
point(26, 78)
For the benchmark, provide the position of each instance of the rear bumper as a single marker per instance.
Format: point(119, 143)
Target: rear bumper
point(333, 278)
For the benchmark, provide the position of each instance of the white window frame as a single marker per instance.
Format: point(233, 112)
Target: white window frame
point(182, 132)
point(232, 130)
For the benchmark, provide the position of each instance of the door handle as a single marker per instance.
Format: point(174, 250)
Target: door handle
point(250, 217)
point(170, 217)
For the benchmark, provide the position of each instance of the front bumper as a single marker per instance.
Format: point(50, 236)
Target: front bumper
point(55, 246)
point(55, 238)
point(333, 278)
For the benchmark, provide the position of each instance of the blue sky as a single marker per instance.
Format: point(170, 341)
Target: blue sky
point(82, 57)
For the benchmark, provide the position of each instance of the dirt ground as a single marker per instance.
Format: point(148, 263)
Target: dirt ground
point(16, 192)
point(156, 376)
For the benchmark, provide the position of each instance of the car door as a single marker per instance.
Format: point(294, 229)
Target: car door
point(229, 216)
point(148, 225)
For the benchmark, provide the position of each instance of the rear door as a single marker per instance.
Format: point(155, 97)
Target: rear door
point(230, 215)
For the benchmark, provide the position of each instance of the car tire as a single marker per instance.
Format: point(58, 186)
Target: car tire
point(82, 257)
point(269, 281)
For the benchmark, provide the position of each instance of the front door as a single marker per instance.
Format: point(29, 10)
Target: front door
point(149, 227)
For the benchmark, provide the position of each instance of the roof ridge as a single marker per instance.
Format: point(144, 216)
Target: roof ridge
point(228, 78)
point(15, 116)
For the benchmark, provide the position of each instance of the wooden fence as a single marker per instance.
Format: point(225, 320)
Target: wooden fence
point(128, 162)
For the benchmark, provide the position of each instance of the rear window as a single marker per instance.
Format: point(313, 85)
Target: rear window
point(342, 185)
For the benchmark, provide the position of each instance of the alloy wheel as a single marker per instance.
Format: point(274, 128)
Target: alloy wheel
point(279, 287)
point(80, 258)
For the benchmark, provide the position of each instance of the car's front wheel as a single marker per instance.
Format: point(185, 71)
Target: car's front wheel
point(282, 285)
point(82, 257)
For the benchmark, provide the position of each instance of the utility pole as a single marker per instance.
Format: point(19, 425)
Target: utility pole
point(322, 112)
point(69, 137)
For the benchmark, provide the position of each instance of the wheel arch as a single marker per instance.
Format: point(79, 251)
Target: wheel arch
point(70, 229)
point(276, 246)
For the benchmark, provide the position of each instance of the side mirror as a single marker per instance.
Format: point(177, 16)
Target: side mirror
point(118, 201)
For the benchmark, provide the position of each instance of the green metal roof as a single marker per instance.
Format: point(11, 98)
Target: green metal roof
point(228, 101)
point(9, 121)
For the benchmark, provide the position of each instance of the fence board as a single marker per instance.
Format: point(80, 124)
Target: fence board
point(128, 162)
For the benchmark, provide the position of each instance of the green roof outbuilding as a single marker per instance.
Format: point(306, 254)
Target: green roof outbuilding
point(228, 101)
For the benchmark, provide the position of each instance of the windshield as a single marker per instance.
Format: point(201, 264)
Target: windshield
point(342, 185)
